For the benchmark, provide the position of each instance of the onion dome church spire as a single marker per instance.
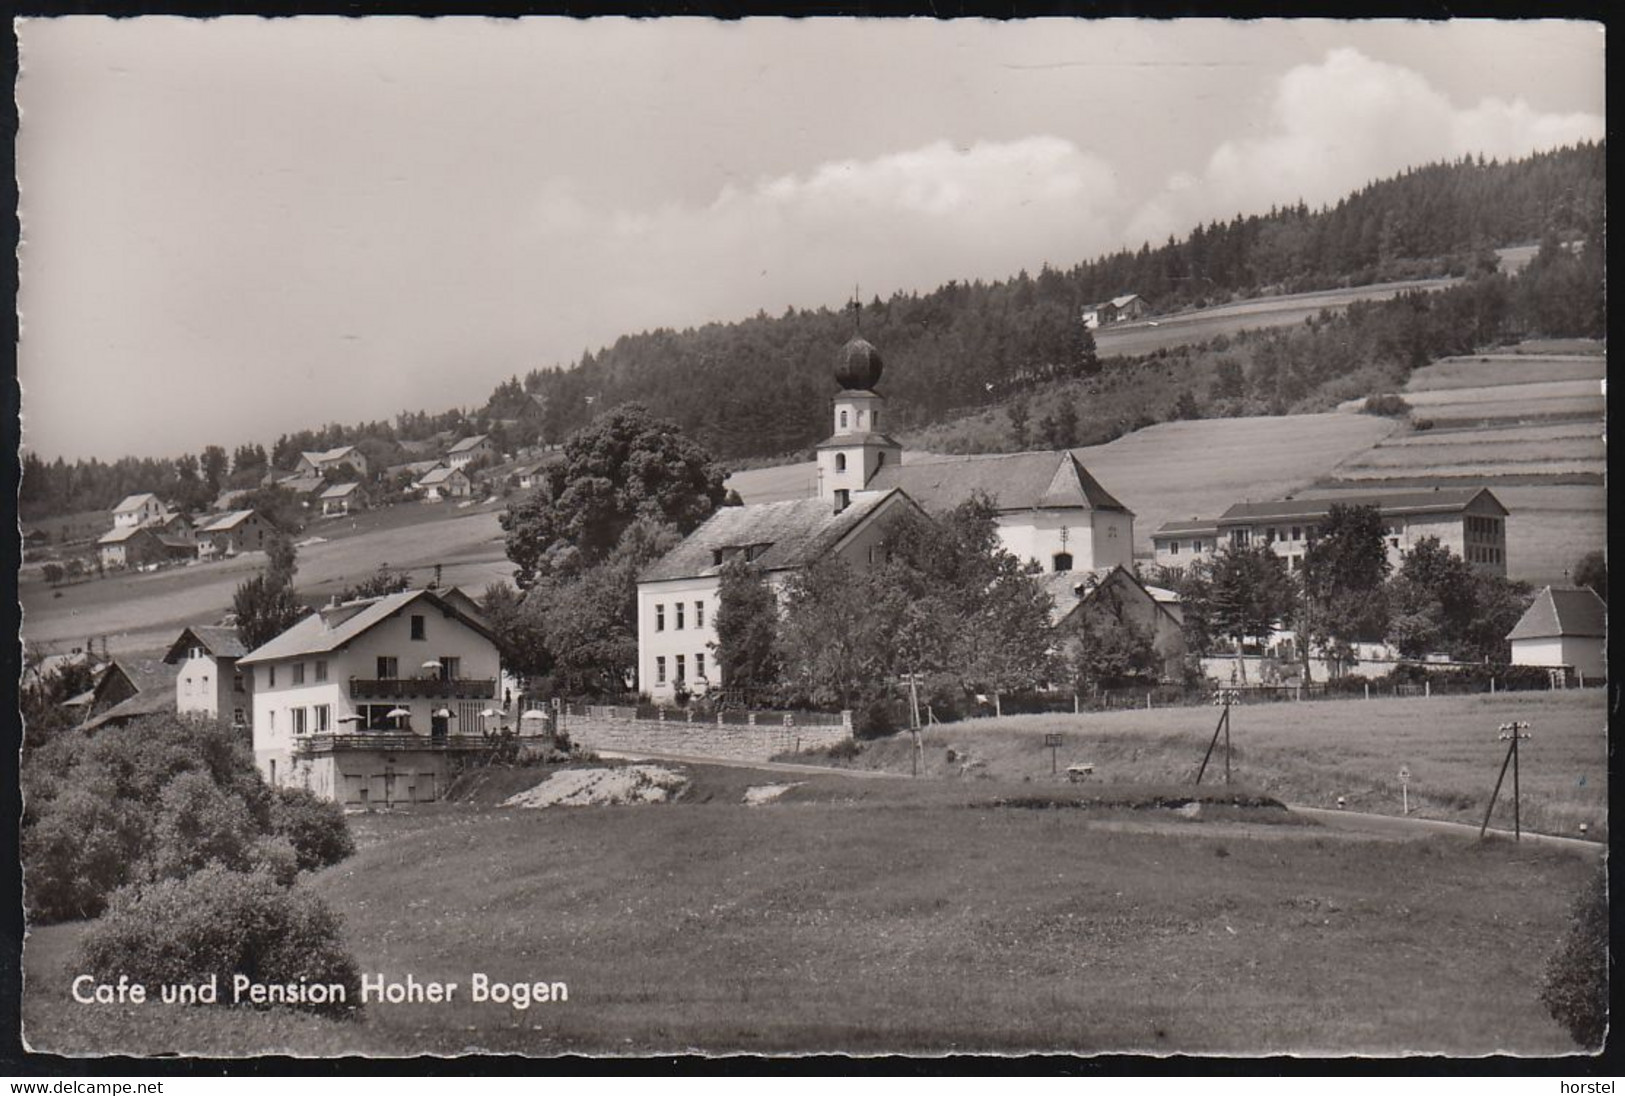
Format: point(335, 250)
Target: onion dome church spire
point(857, 449)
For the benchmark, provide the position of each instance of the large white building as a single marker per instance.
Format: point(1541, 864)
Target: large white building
point(369, 702)
point(1049, 510)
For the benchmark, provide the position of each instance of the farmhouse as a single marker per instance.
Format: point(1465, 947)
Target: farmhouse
point(1469, 521)
point(1119, 596)
point(373, 701)
point(229, 534)
point(129, 546)
point(343, 498)
point(1128, 307)
point(468, 450)
point(207, 681)
point(137, 510)
point(1564, 626)
point(1050, 511)
point(129, 689)
point(332, 460)
point(441, 483)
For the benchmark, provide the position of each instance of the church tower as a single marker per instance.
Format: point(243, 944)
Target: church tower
point(857, 449)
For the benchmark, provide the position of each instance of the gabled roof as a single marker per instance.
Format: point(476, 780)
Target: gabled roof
point(1070, 589)
point(1443, 500)
point(795, 533)
point(157, 695)
point(1014, 481)
point(1193, 527)
point(1563, 611)
point(225, 523)
point(466, 443)
point(217, 641)
point(858, 437)
point(1119, 302)
point(135, 502)
point(334, 627)
point(301, 485)
point(340, 490)
point(330, 455)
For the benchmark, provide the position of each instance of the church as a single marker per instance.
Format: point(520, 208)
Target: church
point(1051, 512)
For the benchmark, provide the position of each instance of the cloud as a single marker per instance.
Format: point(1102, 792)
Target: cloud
point(1334, 126)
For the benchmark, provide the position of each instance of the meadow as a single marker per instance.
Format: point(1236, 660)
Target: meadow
point(1313, 752)
point(900, 916)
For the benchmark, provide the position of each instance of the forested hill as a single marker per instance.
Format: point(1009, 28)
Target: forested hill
point(760, 386)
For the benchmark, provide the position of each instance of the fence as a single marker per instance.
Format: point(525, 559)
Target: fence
point(728, 735)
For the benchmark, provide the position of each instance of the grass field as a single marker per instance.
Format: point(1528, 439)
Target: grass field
point(906, 916)
point(143, 612)
point(1311, 753)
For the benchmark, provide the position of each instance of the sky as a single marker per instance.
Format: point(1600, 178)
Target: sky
point(238, 228)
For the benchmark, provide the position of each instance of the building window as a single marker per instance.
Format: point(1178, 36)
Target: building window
point(843, 420)
point(298, 717)
point(1297, 532)
point(418, 631)
point(680, 672)
point(699, 614)
point(880, 459)
point(1063, 561)
point(699, 666)
point(298, 673)
point(237, 717)
point(874, 423)
point(1173, 547)
point(451, 668)
point(1111, 532)
point(270, 676)
point(660, 669)
point(840, 462)
point(660, 618)
point(324, 718)
point(1238, 537)
point(843, 499)
point(237, 683)
point(321, 669)
point(679, 623)
point(387, 668)
point(188, 687)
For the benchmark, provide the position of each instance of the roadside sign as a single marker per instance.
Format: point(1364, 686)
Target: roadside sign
point(1405, 789)
point(1404, 774)
point(1052, 740)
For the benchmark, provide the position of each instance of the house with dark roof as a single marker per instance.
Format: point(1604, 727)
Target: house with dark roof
point(1469, 521)
point(371, 702)
point(207, 681)
point(332, 460)
point(1565, 626)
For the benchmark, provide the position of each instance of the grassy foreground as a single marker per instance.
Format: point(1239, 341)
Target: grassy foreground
point(1312, 752)
point(873, 916)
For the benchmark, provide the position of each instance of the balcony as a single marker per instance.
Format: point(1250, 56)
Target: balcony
point(306, 745)
point(433, 688)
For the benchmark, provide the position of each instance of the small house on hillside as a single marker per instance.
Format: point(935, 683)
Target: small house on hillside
point(130, 546)
point(468, 450)
point(131, 688)
point(229, 534)
point(1564, 626)
point(343, 498)
point(137, 510)
point(1117, 595)
point(332, 460)
point(441, 483)
point(1128, 307)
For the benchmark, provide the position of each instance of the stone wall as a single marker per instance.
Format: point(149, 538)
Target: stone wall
point(700, 738)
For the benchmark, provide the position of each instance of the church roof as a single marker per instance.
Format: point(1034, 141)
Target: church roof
point(858, 365)
point(785, 535)
point(859, 437)
point(1563, 611)
point(1014, 481)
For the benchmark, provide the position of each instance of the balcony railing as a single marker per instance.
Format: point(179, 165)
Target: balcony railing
point(406, 688)
point(390, 741)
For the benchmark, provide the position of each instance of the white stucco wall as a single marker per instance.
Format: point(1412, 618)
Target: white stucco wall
point(1587, 656)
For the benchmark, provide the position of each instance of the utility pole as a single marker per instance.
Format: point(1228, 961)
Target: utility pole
point(1224, 698)
point(1512, 734)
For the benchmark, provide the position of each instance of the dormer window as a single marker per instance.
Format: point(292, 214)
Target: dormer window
point(757, 551)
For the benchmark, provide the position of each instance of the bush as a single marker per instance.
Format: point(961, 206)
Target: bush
point(1575, 990)
point(316, 829)
point(1389, 403)
point(198, 824)
point(877, 717)
point(78, 852)
point(218, 922)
